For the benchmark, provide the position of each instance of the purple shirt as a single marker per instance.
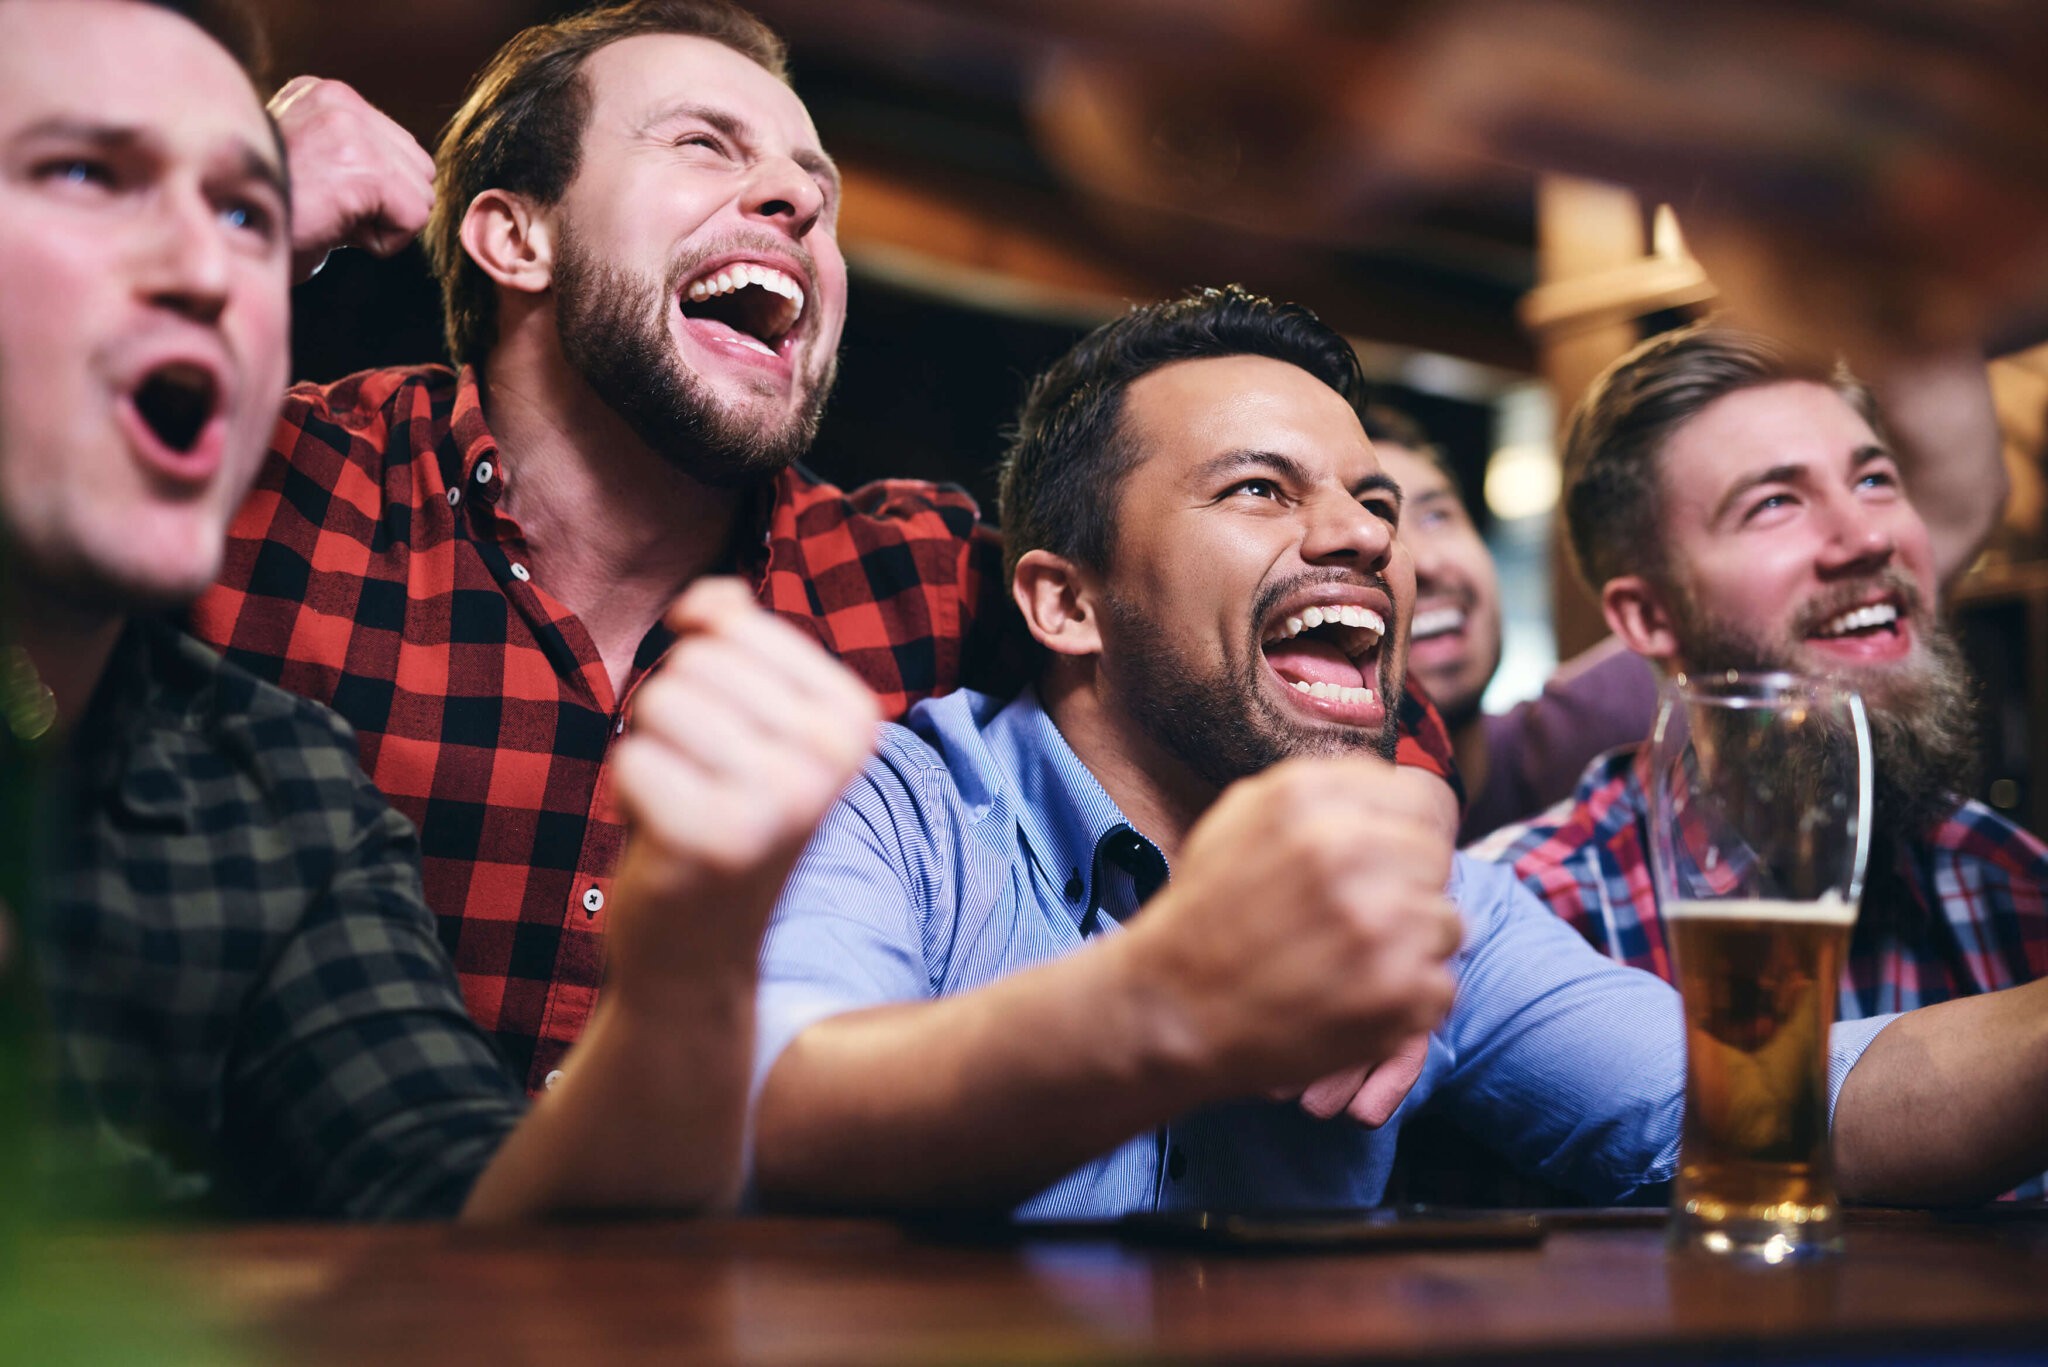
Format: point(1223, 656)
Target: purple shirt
point(1601, 698)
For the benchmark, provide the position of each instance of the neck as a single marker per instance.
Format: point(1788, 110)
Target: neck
point(1157, 792)
point(69, 643)
point(615, 531)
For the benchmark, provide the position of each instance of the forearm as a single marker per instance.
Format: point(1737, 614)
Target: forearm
point(973, 1101)
point(1946, 1105)
point(1945, 429)
point(646, 1117)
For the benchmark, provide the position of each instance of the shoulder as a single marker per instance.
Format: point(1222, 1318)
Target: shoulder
point(900, 509)
point(296, 752)
point(1976, 834)
point(367, 403)
point(1604, 803)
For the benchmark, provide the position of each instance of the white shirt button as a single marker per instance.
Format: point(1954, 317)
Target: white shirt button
point(519, 572)
point(548, 1083)
point(619, 727)
point(593, 901)
point(454, 497)
point(483, 472)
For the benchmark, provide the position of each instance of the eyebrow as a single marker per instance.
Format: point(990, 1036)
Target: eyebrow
point(1290, 468)
point(250, 164)
point(814, 162)
point(1790, 474)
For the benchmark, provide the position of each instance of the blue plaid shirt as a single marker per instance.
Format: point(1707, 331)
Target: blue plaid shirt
point(977, 844)
point(1975, 889)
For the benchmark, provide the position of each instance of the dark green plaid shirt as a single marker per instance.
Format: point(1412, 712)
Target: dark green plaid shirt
point(250, 1005)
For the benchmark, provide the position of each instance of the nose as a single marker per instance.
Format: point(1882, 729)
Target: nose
point(185, 264)
point(1341, 530)
point(784, 193)
point(1857, 537)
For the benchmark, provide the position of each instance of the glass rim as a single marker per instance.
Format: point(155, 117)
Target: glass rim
point(1754, 687)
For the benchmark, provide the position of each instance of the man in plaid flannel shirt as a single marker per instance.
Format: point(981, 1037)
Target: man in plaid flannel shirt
point(633, 225)
point(248, 1000)
point(1733, 509)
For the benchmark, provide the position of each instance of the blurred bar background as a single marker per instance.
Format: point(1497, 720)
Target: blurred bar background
point(1493, 198)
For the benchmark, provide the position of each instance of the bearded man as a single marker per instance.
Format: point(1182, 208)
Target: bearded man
point(1732, 509)
point(634, 226)
point(1061, 954)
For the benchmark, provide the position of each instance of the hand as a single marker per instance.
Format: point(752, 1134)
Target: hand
point(1305, 928)
point(358, 179)
point(740, 743)
point(1371, 1092)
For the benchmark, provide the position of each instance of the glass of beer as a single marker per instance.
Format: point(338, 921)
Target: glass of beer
point(1760, 801)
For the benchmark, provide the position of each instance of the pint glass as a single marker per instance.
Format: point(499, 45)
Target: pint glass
point(1760, 798)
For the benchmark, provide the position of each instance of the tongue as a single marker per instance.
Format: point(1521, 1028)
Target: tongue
point(1312, 662)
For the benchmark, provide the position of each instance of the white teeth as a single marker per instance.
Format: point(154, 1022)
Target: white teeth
point(1334, 615)
point(1356, 697)
point(1437, 621)
point(1861, 619)
point(749, 273)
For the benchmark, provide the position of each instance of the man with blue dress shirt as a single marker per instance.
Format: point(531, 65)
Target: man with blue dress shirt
point(982, 989)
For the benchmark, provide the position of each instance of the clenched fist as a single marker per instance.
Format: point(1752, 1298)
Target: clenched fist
point(1305, 928)
point(358, 179)
point(739, 744)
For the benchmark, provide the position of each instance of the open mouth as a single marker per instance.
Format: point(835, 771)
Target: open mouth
point(175, 402)
point(1329, 652)
point(748, 303)
point(1870, 620)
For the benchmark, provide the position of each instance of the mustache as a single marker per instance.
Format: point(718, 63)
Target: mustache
point(1891, 580)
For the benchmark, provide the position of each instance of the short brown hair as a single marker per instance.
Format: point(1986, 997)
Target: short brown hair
point(1617, 435)
point(521, 130)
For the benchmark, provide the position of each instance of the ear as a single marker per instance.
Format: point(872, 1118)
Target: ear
point(1059, 602)
point(510, 240)
point(1635, 612)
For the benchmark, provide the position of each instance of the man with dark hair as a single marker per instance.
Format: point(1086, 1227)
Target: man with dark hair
point(248, 1002)
point(1734, 509)
point(634, 230)
point(981, 987)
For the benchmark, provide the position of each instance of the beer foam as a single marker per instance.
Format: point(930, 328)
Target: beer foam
point(1831, 909)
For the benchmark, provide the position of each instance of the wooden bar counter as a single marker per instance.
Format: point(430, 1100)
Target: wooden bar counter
point(1910, 1288)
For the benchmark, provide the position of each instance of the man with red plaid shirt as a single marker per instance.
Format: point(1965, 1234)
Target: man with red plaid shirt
point(633, 225)
point(1733, 509)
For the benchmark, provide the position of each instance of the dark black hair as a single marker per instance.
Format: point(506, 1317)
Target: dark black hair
point(1060, 479)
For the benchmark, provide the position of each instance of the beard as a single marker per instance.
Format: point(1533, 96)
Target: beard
point(613, 325)
point(1222, 724)
point(1922, 712)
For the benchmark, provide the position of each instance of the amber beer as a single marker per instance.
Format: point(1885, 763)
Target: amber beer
point(1756, 1171)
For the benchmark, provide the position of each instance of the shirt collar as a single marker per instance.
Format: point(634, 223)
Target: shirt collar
point(1073, 832)
point(473, 442)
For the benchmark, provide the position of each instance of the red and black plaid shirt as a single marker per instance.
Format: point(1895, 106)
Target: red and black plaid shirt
point(372, 570)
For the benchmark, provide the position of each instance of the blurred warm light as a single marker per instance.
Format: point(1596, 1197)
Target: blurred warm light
point(1522, 481)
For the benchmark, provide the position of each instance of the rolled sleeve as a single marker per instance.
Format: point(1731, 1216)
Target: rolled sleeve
point(1846, 1043)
